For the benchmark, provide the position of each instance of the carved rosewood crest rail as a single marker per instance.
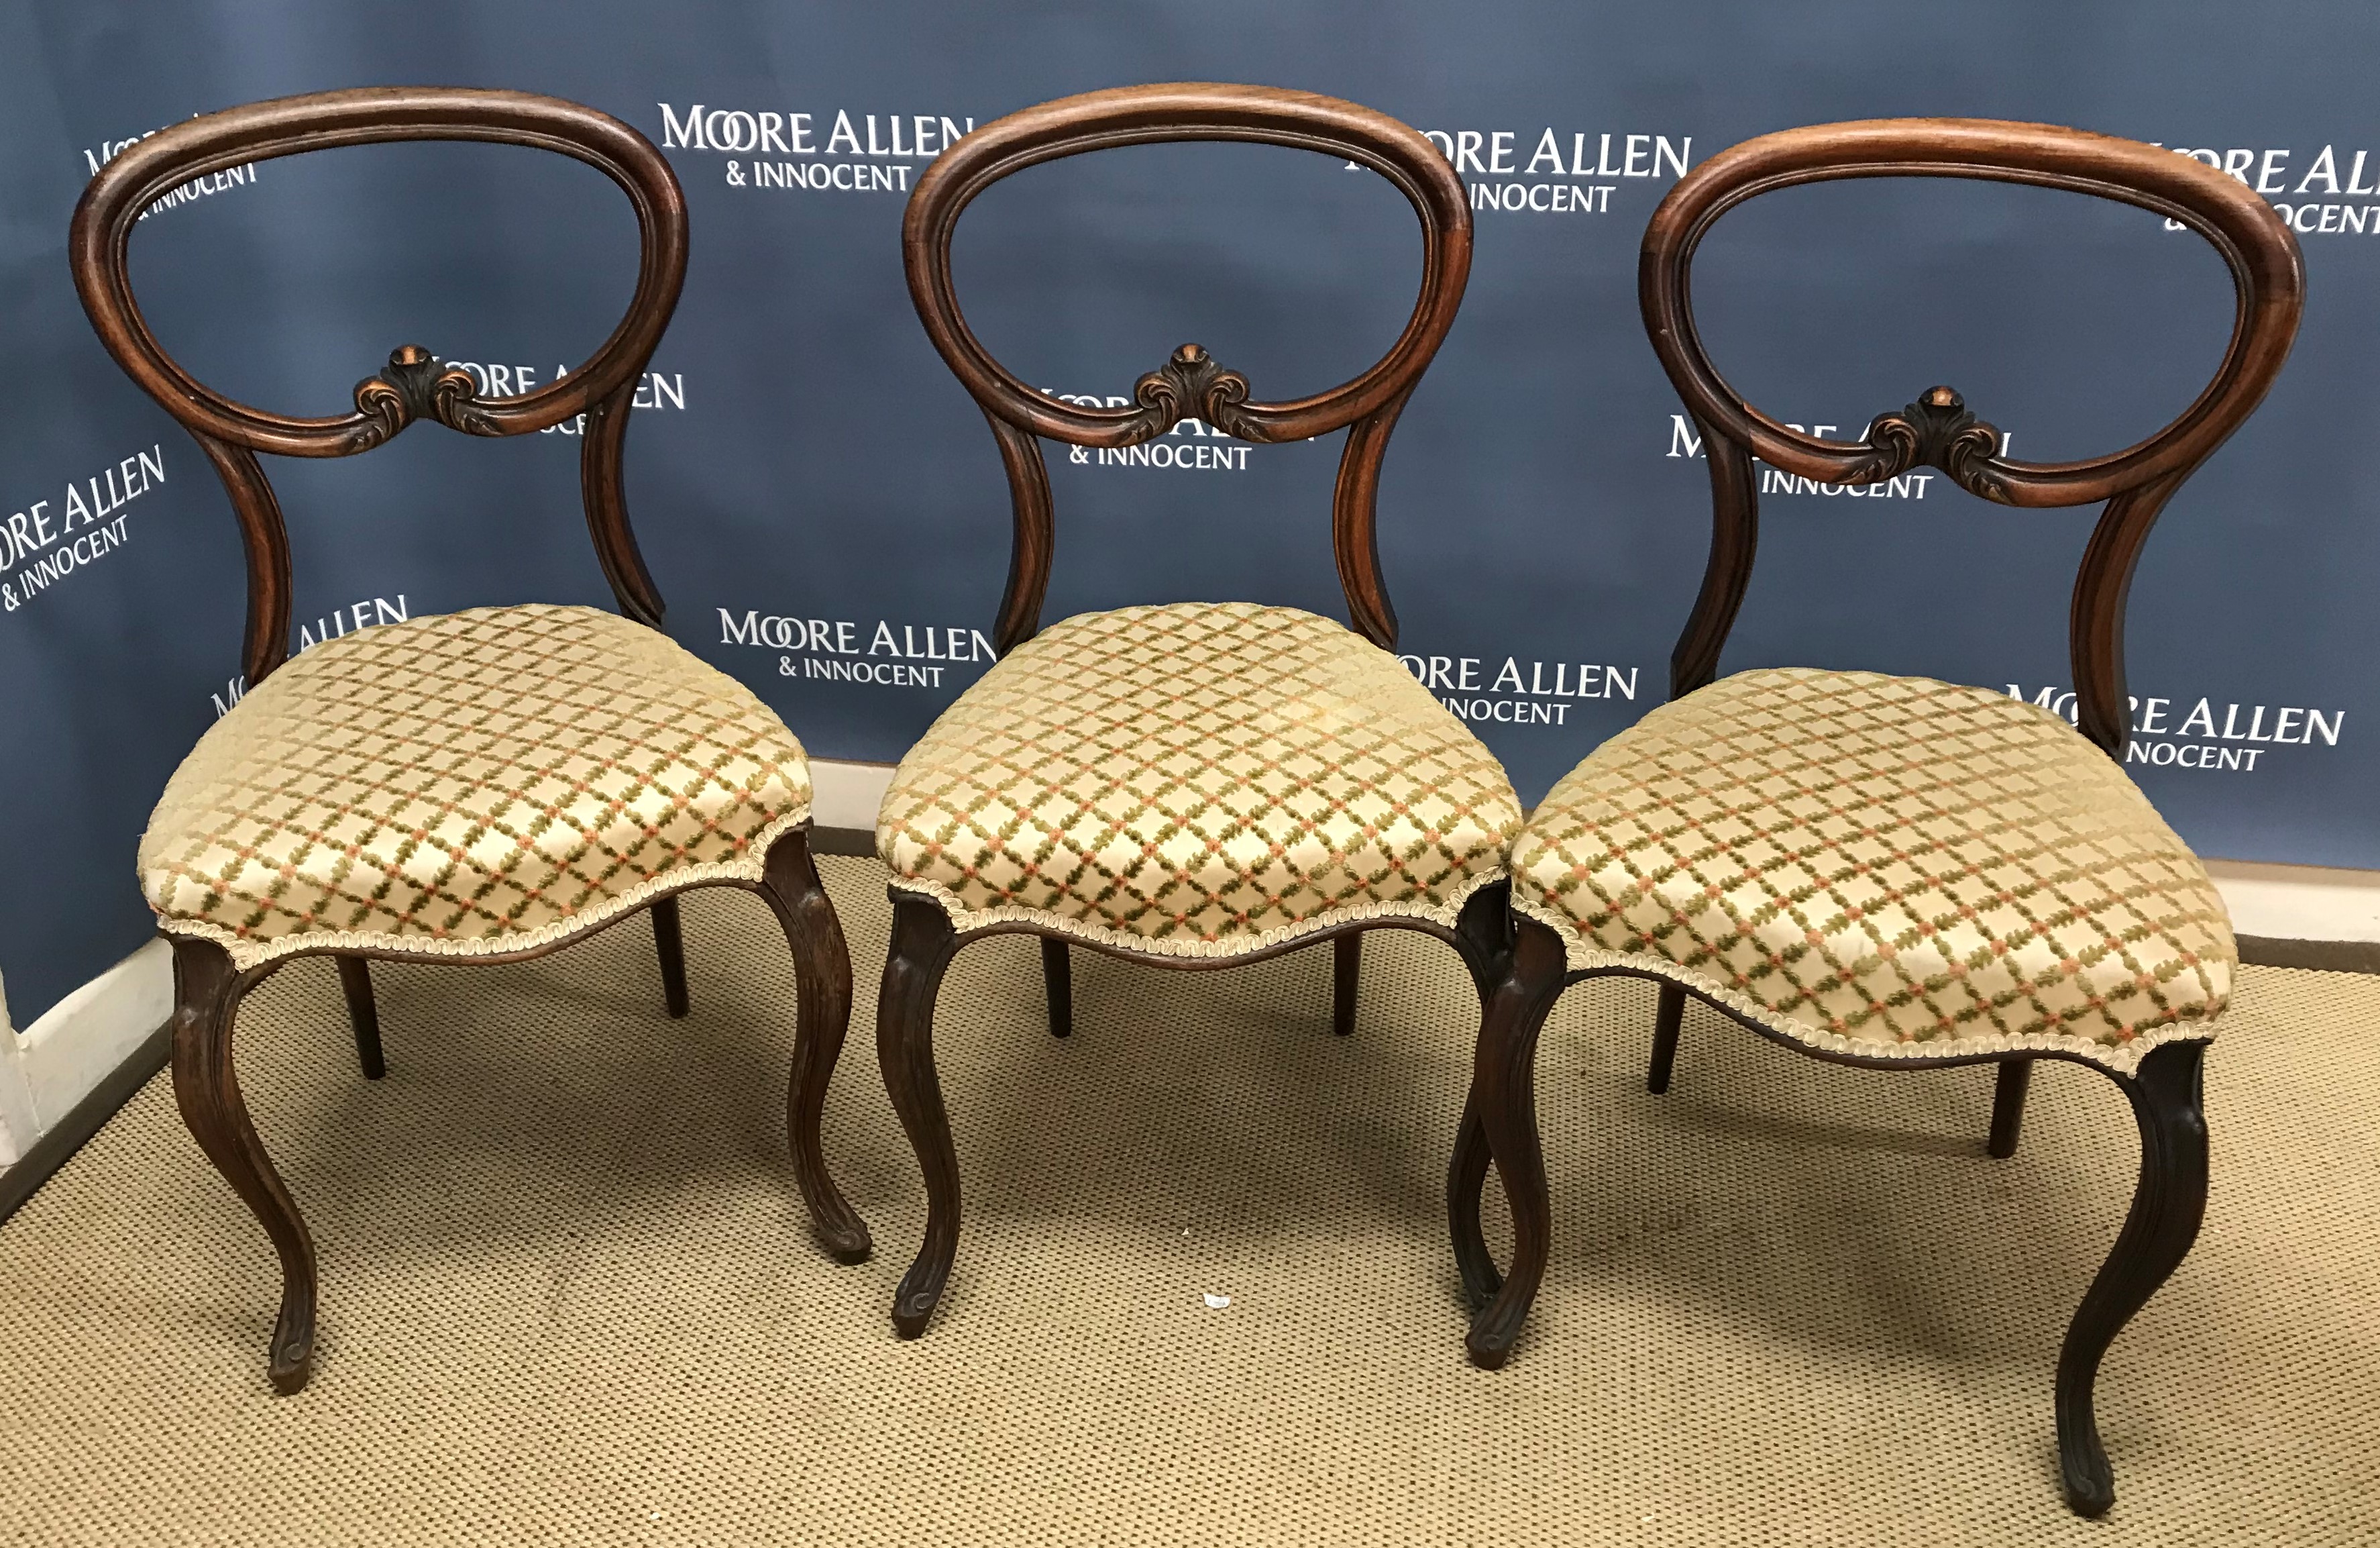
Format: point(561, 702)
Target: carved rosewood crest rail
point(411, 386)
point(1192, 384)
point(1937, 430)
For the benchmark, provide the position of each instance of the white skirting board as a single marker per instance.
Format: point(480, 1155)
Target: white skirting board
point(847, 795)
point(84, 1039)
point(51, 1066)
point(2299, 902)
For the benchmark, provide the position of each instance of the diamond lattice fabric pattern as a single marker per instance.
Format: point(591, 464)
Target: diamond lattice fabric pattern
point(478, 782)
point(1879, 864)
point(1197, 779)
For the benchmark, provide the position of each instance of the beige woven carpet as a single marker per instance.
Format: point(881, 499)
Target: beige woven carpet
point(567, 1297)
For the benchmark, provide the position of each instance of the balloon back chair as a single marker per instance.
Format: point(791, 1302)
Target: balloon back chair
point(479, 786)
point(1194, 785)
point(1887, 872)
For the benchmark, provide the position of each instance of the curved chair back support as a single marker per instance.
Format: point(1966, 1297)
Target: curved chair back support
point(412, 385)
point(1192, 384)
point(1937, 430)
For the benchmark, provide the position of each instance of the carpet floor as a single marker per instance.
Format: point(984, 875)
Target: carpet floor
point(568, 1296)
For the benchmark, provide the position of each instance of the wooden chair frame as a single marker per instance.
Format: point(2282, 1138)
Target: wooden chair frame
point(1935, 430)
point(208, 986)
point(1192, 384)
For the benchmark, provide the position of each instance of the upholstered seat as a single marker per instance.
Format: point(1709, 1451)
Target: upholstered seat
point(1877, 864)
point(474, 782)
point(1196, 779)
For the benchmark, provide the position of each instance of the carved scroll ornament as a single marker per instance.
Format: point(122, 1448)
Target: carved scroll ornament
point(1937, 430)
point(1193, 386)
point(414, 388)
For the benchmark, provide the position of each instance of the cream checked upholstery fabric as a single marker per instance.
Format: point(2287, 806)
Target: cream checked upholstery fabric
point(479, 782)
point(1880, 865)
point(1197, 779)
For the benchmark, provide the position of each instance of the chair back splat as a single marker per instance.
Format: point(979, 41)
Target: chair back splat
point(1938, 430)
point(1192, 385)
point(412, 386)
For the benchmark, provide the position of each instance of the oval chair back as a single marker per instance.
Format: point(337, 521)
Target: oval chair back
point(414, 384)
point(1937, 430)
point(1192, 385)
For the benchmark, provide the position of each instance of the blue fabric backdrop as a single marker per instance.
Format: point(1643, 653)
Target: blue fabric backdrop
point(803, 455)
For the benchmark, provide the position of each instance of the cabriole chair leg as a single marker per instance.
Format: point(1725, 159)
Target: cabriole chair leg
point(207, 990)
point(1466, 1174)
point(1503, 1092)
point(669, 941)
point(1667, 1016)
point(2007, 1106)
point(1483, 934)
point(1058, 985)
point(821, 1013)
point(923, 944)
point(2167, 1103)
point(363, 1013)
point(1346, 969)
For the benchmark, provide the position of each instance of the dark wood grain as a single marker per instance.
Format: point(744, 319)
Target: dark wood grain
point(1669, 1016)
point(363, 1015)
point(1192, 384)
point(265, 545)
point(415, 385)
point(1937, 429)
point(1484, 935)
point(923, 944)
point(1471, 1168)
point(1466, 1176)
point(207, 990)
point(2167, 1205)
point(2008, 1088)
point(1727, 573)
point(791, 887)
point(1503, 1095)
point(669, 947)
point(411, 386)
point(1058, 985)
point(1346, 974)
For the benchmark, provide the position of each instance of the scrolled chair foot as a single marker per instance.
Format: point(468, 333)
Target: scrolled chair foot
point(921, 1292)
point(2167, 1205)
point(1490, 1340)
point(290, 1363)
point(845, 1242)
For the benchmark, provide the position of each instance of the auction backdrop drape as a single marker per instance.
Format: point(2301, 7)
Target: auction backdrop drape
point(823, 506)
